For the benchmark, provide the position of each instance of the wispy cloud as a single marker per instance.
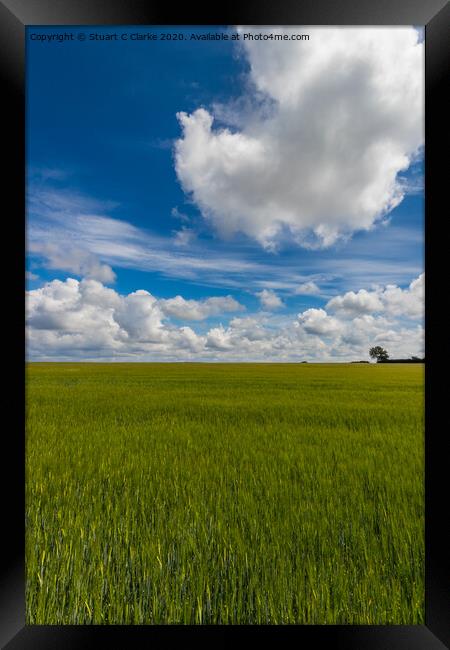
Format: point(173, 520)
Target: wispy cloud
point(64, 230)
point(72, 232)
point(184, 236)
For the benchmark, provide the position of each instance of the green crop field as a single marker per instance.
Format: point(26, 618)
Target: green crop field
point(224, 493)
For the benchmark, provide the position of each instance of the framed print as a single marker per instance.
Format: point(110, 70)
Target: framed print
point(227, 424)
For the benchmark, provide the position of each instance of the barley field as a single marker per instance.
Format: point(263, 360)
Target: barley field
point(224, 493)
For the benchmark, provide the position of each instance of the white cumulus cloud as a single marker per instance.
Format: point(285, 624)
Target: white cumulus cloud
point(317, 321)
point(309, 288)
point(391, 300)
point(87, 320)
point(362, 302)
point(345, 116)
point(409, 302)
point(269, 299)
point(181, 308)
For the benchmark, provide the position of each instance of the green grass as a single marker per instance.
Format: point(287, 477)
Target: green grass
point(218, 493)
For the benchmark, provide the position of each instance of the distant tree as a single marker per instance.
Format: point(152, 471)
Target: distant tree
point(378, 353)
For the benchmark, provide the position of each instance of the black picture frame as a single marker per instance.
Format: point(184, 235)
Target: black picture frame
point(15, 16)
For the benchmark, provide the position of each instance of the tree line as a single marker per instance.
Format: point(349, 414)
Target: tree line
point(382, 356)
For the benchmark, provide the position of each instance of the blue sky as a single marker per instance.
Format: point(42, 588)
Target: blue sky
point(224, 200)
